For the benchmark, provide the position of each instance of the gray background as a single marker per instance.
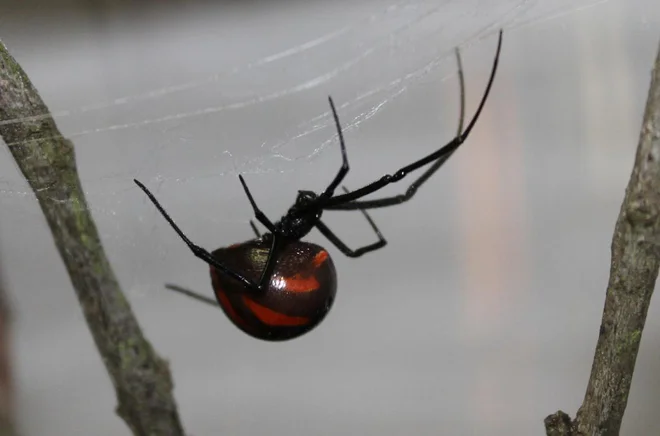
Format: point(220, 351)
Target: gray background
point(481, 315)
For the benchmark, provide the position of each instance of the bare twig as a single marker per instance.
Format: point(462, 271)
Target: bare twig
point(633, 272)
point(141, 378)
point(6, 373)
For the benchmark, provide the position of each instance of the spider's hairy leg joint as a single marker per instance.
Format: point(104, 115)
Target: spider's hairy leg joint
point(197, 249)
point(391, 178)
point(403, 197)
point(399, 175)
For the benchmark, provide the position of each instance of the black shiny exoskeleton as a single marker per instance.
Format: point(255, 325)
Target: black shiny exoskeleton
point(277, 287)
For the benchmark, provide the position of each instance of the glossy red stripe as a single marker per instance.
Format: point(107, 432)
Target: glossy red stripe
point(270, 317)
point(300, 283)
point(320, 257)
point(225, 302)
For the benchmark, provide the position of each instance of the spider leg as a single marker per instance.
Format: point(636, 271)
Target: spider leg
point(325, 231)
point(261, 217)
point(344, 165)
point(346, 201)
point(414, 186)
point(255, 229)
point(270, 262)
point(343, 247)
point(198, 251)
point(191, 294)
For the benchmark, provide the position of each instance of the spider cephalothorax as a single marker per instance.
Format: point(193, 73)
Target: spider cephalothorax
point(277, 287)
point(300, 218)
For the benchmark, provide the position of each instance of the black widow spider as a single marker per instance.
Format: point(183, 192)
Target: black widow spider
point(277, 287)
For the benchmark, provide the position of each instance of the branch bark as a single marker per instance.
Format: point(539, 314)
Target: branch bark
point(141, 378)
point(7, 426)
point(633, 273)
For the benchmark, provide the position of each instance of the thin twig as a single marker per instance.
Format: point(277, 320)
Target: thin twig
point(7, 397)
point(633, 272)
point(141, 378)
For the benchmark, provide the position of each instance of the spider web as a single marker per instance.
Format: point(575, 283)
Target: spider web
point(370, 58)
point(192, 97)
point(185, 101)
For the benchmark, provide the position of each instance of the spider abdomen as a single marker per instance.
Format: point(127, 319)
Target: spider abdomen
point(298, 296)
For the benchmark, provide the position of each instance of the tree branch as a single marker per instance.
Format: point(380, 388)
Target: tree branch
point(633, 272)
point(141, 378)
point(7, 399)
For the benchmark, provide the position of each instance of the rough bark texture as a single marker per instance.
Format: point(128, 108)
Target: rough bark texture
point(633, 272)
point(141, 378)
point(6, 373)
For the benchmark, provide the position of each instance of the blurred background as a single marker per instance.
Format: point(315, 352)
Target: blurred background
point(481, 315)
